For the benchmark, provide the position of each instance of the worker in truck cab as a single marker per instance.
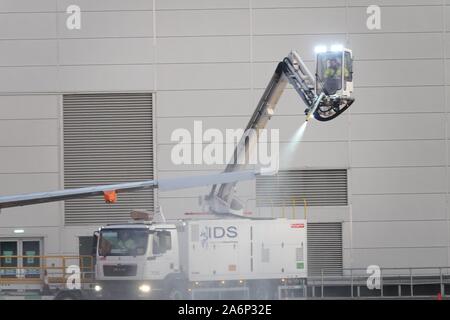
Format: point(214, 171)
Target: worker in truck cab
point(126, 242)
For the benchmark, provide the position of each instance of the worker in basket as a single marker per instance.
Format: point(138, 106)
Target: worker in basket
point(333, 76)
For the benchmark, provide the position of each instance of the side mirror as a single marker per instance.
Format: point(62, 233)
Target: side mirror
point(95, 243)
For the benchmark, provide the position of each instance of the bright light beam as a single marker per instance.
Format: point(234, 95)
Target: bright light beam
point(300, 132)
point(295, 140)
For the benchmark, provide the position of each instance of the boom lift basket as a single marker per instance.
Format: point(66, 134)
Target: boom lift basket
point(334, 77)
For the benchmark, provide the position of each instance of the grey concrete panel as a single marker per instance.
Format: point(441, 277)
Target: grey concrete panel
point(203, 49)
point(29, 160)
point(106, 51)
point(97, 24)
point(386, 127)
point(399, 207)
point(399, 234)
point(29, 132)
point(398, 153)
point(202, 23)
point(28, 26)
point(427, 180)
point(28, 52)
point(107, 78)
point(28, 107)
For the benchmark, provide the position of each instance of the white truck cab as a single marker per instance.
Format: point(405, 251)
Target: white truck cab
point(135, 259)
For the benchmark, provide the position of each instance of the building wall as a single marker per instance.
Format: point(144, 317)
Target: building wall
point(210, 61)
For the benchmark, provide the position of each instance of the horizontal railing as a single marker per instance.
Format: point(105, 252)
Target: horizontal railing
point(44, 270)
point(376, 283)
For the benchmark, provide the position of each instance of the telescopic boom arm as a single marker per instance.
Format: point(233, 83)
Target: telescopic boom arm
point(322, 106)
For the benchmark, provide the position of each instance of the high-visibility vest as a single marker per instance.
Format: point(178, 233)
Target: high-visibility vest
point(335, 73)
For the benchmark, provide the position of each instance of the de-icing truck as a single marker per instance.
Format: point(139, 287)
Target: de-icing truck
point(229, 253)
point(216, 258)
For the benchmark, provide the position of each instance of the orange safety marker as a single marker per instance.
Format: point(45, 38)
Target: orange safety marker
point(110, 196)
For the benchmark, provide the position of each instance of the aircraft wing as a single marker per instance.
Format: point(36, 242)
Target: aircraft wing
point(162, 184)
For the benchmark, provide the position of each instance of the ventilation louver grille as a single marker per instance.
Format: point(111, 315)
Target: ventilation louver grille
point(325, 248)
point(317, 187)
point(108, 138)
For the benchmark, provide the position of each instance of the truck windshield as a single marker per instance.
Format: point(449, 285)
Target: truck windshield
point(123, 242)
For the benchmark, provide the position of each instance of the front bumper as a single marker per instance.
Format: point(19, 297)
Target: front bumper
point(129, 290)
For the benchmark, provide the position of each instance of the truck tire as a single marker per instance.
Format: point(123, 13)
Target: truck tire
point(262, 290)
point(65, 295)
point(177, 293)
point(175, 287)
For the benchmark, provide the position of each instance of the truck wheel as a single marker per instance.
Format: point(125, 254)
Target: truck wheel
point(66, 296)
point(262, 290)
point(177, 293)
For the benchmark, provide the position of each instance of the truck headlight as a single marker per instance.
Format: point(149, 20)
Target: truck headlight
point(144, 288)
point(97, 288)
